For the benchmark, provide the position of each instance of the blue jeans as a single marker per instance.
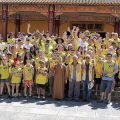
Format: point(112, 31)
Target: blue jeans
point(86, 90)
point(74, 89)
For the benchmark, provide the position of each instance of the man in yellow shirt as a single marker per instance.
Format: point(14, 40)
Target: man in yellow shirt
point(109, 69)
point(4, 75)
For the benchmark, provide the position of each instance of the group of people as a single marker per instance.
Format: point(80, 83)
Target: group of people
point(64, 65)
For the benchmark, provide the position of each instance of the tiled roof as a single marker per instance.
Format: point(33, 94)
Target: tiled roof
point(82, 2)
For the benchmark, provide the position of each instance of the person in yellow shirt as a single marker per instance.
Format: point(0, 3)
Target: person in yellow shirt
point(98, 73)
point(104, 49)
point(52, 63)
point(16, 75)
point(28, 73)
point(19, 47)
point(10, 60)
point(4, 75)
point(106, 40)
point(10, 41)
point(41, 79)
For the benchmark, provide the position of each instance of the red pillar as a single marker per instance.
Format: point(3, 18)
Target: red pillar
point(119, 28)
point(57, 25)
point(116, 27)
point(51, 20)
point(17, 23)
point(4, 21)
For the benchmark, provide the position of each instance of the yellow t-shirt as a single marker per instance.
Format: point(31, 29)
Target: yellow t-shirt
point(4, 71)
point(37, 60)
point(107, 42)
point(16, 75)
point(19, 50)
point(109, 67)
point(40, 78)
point(10, 62)
point(98, 69)
point(10, 41)
point(118, 61)
point(48, 56)
point(104, 51)
point(28, 72)
point(52, 63)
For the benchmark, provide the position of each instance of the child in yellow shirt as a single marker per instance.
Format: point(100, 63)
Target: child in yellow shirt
point(4, 75)
point(16, 74)
point(28, 72)
point(41, 79)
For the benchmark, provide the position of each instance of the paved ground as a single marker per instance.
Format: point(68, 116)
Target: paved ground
point(25, 109)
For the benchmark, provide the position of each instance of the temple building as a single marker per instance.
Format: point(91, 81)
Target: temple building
point(56, 16)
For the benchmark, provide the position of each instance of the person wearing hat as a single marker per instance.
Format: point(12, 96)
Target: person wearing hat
point(41, 78)
point(59, 40)
point(4, 75)
point(109, 69)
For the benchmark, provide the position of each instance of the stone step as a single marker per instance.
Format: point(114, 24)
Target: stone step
point(115, 95)
point(117, 89)
point(118, 84)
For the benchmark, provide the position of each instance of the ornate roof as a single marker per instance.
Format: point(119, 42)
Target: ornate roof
point(81, 2)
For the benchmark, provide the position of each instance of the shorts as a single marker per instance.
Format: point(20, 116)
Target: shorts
point(106, 86)
point(98, 81)
point(43, 86)
point(28, 83)
point(15, 82)
point(5, 81)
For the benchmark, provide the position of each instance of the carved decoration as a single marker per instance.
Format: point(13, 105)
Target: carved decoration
point(81, 17)
point(96, 9)
point(43, 9)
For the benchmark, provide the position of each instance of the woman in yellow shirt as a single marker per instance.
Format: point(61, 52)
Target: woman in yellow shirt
point(41, 79)
point(16, 73)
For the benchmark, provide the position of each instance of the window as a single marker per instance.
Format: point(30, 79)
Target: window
point(89, 26)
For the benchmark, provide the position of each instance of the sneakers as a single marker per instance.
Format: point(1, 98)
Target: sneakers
point(43, 97)
point(38, 97)
point(107, 101)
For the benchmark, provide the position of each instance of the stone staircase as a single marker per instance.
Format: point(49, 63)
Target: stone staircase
point(114, 97)
point(116, 93)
